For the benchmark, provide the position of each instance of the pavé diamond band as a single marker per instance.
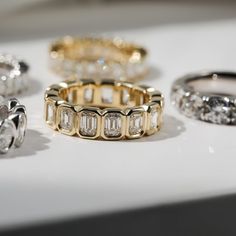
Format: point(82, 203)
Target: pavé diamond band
point(209, 97)
point(98, 57)
point(13, 75)
point(105, 109)
point(13, 123)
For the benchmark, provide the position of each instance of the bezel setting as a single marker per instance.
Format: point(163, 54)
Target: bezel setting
point(90, 128)
point(65, 119)
point(100, 119)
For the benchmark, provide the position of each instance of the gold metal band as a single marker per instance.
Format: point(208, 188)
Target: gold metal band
point(105, 109)
point(98, 58)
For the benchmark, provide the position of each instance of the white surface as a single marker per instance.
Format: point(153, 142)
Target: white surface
point(55, 176)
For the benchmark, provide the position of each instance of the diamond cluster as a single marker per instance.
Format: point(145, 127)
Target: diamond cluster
point(13, 75)
point(93, 57)
point(213, 109)
point(99, 69)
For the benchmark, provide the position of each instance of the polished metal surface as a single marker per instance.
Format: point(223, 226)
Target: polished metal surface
point(13, 122)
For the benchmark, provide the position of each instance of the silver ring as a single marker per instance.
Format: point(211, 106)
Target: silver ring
point(13, 122)
point(13, 75)
point(209, 97)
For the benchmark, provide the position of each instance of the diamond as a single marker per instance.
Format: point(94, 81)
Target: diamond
point(17, 85)
point(91, 69)
point(104, 69)
point(234, 116)
point(3, 80)
point(113, 125)
point(191, 105)
point(21, 130)
point(6, 136)
point(130, 70)
point(80, 70)
point(177, 96)
point(125, 96)
point(68, 67)
point(154, 118)
point(88, 124)
point(4, 112)
point(136, 123)
point(70, 96)
point(233, 113)
point(217, 111)
point(140, 68)
point(117, 71)
point(54, 63)
point(107, 95)
point(66, 119)
point(88, 95)
point(9, 86)
point(50, 113)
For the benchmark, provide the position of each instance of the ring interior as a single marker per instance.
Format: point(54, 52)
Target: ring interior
point(214, 84)
point(104, 96)
point(97, 49)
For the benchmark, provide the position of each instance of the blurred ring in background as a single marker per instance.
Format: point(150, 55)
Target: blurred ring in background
point(209, 97)
point(98, 58)
point(13, 75)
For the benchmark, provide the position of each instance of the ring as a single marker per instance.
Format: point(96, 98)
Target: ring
point(13, 75)
point(12, 125)
point(209, 97)
point(98, 58)
point(105, 109)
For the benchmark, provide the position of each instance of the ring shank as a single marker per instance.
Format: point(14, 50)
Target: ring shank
point(104, 95)
point(221, 84)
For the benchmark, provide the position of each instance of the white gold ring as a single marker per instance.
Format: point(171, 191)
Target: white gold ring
point(13, 122)
point(13, 75)
point(209, 97)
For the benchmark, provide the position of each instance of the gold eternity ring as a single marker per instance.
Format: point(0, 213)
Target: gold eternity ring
point(98, 57)
point(105, 109)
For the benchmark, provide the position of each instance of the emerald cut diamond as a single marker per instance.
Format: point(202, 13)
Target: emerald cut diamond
point(88, 124)
point(136, 123)
point(113, 123)
point(66, 119)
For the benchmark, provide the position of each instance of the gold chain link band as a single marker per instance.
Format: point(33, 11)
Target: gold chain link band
point(98, 57)
point(105, 109)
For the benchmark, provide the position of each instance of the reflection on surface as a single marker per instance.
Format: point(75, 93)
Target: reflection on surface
point(171, 128)
point(34, 142)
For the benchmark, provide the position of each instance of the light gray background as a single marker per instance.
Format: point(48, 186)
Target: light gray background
point(55, 176)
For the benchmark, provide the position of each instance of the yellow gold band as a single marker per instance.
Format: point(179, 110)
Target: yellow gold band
point(105, 109)
point(98, 57)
